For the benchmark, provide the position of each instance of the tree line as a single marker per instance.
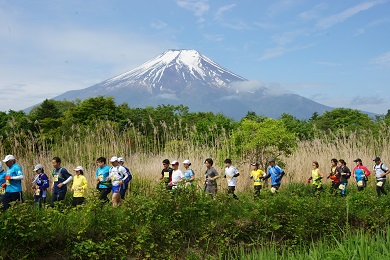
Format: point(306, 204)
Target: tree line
point(53, 121)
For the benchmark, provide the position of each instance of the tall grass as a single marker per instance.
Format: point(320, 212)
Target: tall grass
point(144, 155)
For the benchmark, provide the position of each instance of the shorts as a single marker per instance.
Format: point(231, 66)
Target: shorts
point(211, 189)
point(116, 189)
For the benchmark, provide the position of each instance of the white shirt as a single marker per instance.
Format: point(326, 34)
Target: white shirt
point(177, 176)
point(379, 171)
point(230, 172)
point(117, 173)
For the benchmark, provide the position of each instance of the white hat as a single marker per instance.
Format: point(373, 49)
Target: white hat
point(186, 162)
point(9, 158)
point(114, 159)
point(120, 159)
point(79, 168)
point(37, 167)
point(175, 163)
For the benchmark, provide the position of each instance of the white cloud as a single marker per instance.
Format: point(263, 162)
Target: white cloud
point(382, 60)
point(280, 51)
point(344, 15)
point(273, 53)
point(198, 7)
point(222, 10)
point(287, 37)
point(248, 86)
point(313, 13)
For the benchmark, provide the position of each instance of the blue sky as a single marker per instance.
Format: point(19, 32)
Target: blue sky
point(334, 52)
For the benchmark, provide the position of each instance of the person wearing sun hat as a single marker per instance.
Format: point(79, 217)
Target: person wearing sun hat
point(40, 185)
point(189, 174)
point(79, 186)
point(13, 180)
point(275, 173)
point(361, 173)
point(381, 171)
point(116, 176)
point(177, 176)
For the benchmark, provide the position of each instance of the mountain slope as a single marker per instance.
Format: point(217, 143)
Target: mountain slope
point(194, 80)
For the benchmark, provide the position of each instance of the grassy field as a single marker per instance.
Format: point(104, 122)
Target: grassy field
point(155, 224)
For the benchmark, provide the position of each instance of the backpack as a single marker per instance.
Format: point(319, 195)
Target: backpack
point(380, 166)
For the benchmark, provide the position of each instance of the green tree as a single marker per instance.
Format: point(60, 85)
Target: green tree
point(260, 140)
point(343, 119)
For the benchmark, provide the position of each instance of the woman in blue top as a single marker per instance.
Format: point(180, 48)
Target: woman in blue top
point(13, 180)
point(189, 174)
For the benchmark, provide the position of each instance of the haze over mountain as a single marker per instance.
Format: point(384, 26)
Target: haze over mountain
point(194, 80)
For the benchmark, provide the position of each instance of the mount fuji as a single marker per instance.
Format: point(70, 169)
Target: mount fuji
point(194, 80)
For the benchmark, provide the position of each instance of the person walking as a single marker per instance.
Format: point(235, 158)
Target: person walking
point(79, 186)
point(256, 176)
point(361, 173)
point(211, 177)
point(40, 185)
point(381, 171)
point(13, 180)
point(116, 176)
point(231, 174)
point(275, 173)
point(61, 177)
point(177, 176)
point(334, 175)
point(125, 185)
point(316, 179)
point(345, 175)
point(189, 174)
point(101, 175)
point(166, 174)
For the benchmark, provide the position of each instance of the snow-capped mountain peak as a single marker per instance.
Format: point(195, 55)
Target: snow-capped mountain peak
point(174, 69)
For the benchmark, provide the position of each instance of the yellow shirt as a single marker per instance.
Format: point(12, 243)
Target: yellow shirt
point(79, 185)
point(256, 177)
point(315, 176)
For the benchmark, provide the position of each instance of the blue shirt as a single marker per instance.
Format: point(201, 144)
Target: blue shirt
point(59, 176)
point(102, 174)
point(276, 174)
point(15, 185)
point(188, 174)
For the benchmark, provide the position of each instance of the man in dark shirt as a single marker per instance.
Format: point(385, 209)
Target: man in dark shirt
point(166, 173)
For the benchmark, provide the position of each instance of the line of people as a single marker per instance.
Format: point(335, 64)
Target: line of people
point(113, 179)
point(116, 178)
point(339, 175)
point(174, 178)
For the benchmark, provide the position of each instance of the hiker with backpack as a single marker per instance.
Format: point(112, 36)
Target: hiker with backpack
point(361, 173)
point(126, 181)
point(40, 185)
point(381, 170)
